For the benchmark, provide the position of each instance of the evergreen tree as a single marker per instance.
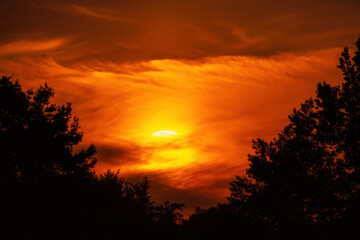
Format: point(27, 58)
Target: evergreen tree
point(37, 138)
point(306, 180)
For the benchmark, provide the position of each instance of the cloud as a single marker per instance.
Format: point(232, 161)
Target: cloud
point(104, 14)
point(120, 154)
point(217, 105)
point(218, 74)
point(30, 46)
point(123, 31)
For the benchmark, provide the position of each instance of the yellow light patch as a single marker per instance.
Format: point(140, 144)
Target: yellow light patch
point(165, 133)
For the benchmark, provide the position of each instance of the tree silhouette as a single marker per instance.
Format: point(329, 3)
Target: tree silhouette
point(49, 191)
point(37, 138)
point(306, 181)
point(304, 184)
point(222, 222)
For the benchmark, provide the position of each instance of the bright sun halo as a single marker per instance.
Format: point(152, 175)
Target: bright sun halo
point(165, 133)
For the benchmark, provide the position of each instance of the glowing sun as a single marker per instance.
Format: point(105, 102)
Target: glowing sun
point(165, 133)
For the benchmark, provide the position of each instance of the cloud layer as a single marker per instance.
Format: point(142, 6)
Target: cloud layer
point(218, 74)
point(123, 31)
point(217, 105)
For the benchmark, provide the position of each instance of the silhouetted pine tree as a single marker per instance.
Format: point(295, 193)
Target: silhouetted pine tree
point(37, 138)
point(48, 191)
point(305, 183)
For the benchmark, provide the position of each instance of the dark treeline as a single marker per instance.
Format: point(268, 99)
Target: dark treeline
point(304, 184)
point(50, 191)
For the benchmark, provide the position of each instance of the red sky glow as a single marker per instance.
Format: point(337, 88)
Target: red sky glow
point(215, 73)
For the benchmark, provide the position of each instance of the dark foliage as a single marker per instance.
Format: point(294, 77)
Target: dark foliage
point(304, 184)
point(49, 191)
point(37, 138)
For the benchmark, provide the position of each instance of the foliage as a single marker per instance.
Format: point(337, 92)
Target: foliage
point(49, 191)
point(304, 184)
point(309, 175)
point(37, 138)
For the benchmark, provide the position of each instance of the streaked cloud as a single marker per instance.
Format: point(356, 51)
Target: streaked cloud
point(122, 31)
point(217, 73)
point(96, 13)
point(30, 46)
point(216, 105)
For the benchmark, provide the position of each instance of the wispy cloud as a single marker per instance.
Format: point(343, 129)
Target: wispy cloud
point(216, 105)
point(101, 13)
point(217, 73)
point(29, 46)
point(122, 31)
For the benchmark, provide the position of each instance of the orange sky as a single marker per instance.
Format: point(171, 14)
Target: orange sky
point(218, 73)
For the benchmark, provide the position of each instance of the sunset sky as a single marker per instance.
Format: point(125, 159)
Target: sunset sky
point(214, 74)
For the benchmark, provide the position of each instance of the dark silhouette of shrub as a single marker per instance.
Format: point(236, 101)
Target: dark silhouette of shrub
point(307, 178)
point(37, 138)
point(305, 183)
point(48, 191)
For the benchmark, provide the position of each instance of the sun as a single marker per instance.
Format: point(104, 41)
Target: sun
point(165, 134)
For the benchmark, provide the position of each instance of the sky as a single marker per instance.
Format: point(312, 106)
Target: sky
point(217, 74)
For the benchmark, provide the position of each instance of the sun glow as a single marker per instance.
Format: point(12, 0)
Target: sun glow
point(165, 133)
